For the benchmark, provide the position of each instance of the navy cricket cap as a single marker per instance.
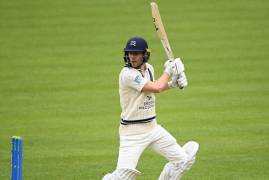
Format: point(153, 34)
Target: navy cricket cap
point(136, 44)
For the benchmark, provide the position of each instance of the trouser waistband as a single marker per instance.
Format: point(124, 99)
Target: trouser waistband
point(127, 122)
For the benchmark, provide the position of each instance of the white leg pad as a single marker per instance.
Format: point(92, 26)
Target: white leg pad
point(191, 149)
point(174, 171)
point(122, 174)
point(109, 176)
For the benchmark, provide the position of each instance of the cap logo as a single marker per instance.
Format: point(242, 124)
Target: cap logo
point(133, 43)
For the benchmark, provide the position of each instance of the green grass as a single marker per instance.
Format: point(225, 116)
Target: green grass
point(59, 65)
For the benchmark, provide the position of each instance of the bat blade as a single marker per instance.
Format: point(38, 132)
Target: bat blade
point(160, 30)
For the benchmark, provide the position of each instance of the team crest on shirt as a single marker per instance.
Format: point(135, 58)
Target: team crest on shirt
point(138, 79)
point(149, 102)
point(149, 98)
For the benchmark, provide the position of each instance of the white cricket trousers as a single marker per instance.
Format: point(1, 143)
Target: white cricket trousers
point(160, 140)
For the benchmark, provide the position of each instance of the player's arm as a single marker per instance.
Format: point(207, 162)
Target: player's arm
point(157, 86)
point(173, 69)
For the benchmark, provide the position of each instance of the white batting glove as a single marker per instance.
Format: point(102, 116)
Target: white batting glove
point(174, 82)
point(179, 80)
point(174, 67)
point(182, 80)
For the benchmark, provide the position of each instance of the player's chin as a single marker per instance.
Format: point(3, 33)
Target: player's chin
point(134, 65)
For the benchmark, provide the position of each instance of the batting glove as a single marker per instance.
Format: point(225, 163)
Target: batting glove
point(174, 67)
point(174, 82)
point(182, 80)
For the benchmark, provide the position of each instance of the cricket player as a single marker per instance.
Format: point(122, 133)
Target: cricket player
point(138, 126)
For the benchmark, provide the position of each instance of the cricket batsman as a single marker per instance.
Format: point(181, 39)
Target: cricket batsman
point(139, 128)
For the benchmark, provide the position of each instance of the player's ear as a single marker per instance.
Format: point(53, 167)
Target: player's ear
point(146, 55)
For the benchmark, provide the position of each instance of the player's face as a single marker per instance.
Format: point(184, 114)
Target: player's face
point(136, 59)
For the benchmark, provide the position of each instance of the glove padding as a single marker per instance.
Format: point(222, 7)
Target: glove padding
point(174, 67)
point(178, 80)
point(182, 80)
point(173, 83)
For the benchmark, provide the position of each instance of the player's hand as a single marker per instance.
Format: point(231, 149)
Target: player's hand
point(174, 67)
point(174, 81)
point(178, 80)
point(182, 80)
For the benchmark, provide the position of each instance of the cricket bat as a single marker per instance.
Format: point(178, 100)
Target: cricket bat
point(160, 30)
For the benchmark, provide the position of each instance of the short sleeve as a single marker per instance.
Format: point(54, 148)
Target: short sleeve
point(133, 79)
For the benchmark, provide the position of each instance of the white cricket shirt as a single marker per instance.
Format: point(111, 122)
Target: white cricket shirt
point(138, 108)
